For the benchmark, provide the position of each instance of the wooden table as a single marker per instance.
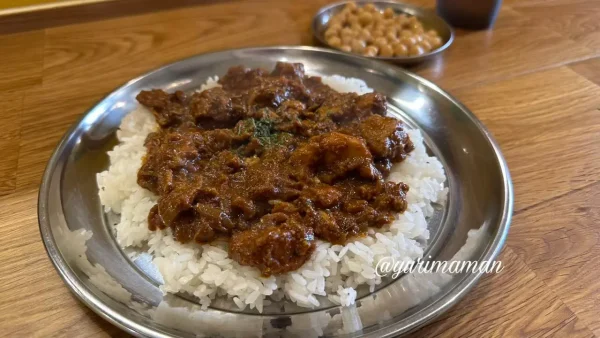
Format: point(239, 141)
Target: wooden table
point(534, 80)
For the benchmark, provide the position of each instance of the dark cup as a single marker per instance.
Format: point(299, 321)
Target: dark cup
point(469, 14)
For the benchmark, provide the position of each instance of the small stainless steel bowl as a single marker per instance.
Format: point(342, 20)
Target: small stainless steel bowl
point(429, 19)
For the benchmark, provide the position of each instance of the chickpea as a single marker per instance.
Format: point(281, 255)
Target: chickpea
point(405, 33)
point(336, 21)
point(400, 50)
point(335, 41)
point(415, 50)
point(365, 18)
point(418, 30)
point(370, 8)
point(407, 41)
point(380, 42)
point(347, 40)
point(389, 23)
point(330, 33)
point(377, 16)
point(435, 42)
point(388, 13)
point(400, 19)
point(425, 45)
point(341, 17)
point(391, 36)
point(335, 26)
point(356, 27)
point(379, 25)
point(432, 33)
point(408, 23)
point(386, 51)
point(377, 33)
point(365, 34)
point(418, 38)
point(347, 31)
point(358, 46)
point(416, 25)
point(351, 6)
point(346, 12)
point(346, 48)
point(371, 51)
point(352, 19)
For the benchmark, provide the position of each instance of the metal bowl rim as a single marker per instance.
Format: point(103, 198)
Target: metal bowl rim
point(408, 59)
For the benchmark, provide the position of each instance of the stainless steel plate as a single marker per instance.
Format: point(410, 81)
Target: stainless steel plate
point(429, 19)
point(125, 291)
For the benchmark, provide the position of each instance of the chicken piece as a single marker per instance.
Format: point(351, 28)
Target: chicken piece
point(178, 200)
point(342, 154)
point(273, 92)
point(318, 89)
point(393, 197)
point(185, 227)
point(386, 137)
point(333, 226)
point(154, 220)
point(188, 226)
point(273, 249)
point(168, 152)
point(173, 151)
point(323, 195)
point(245, 206)
point(326, 227)
point(370, 103)
point(213, 108)
point(333, 155)
point(338, 107)
point(303, 161)
point(289, 70)
point(269, 186)
point(239, 78)
point(344, 107)
point(194, 213)
point(215, 141)
point(214, 216)
point(168, 109)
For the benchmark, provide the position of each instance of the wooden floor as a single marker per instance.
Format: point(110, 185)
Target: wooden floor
point(534, 80)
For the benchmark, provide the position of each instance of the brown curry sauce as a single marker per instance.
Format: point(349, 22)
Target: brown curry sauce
point(271, 161)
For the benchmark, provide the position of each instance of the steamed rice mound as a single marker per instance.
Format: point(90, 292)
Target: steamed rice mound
point(206, 271)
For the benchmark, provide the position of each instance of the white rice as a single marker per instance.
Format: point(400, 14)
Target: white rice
point(333, 272)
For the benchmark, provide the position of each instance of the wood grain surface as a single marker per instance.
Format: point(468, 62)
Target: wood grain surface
point(534, 80)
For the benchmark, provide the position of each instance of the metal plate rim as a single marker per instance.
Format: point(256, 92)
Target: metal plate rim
point(447, 300)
